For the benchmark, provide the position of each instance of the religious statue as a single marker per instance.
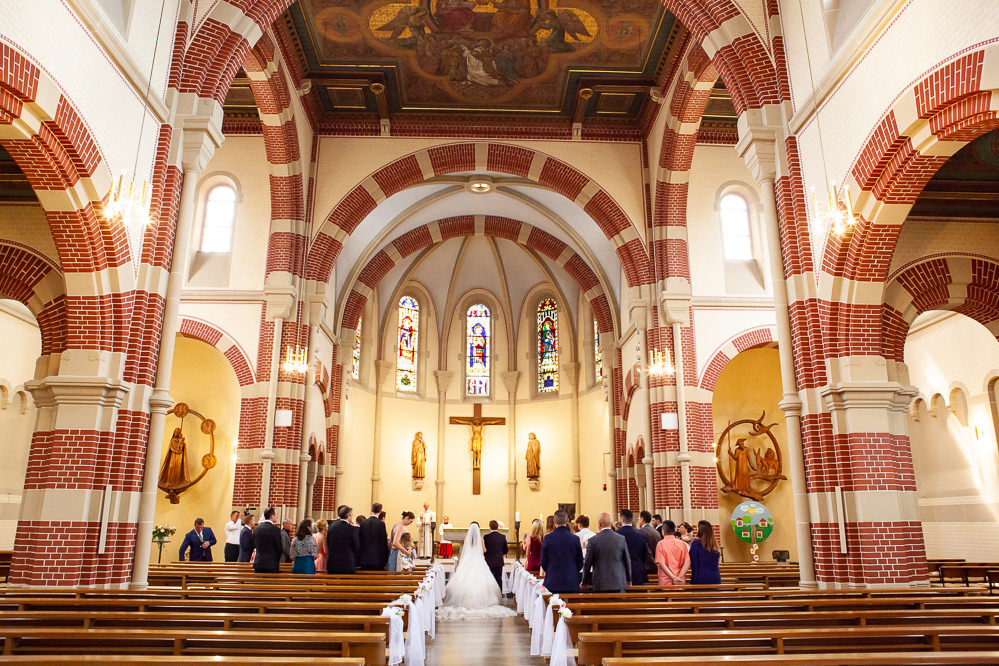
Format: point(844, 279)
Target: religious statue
point(174, 477)
point(751, 468)
point(533, 456)
point(418, 459)
point(476, 421)
point(174, 470)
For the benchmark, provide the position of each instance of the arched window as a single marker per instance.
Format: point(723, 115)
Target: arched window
point(736, 239)
point(598, 356)
point(220, 213)
point(408, 341)
point(548, 346)
point(478, 350)
point(355, 364)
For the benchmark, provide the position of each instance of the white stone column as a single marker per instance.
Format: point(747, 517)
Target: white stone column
point(758, 146)
point(267, 454)
point(610, 364)
point(383, 369)
point(443, 378)
point(198, 146)
point(570, 373)
point(510, 381)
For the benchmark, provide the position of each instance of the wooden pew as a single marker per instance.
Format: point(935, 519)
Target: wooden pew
point(5, 559)
point(203, 643)
point(965, 571)
point(596, 646)
point(161, 660)
point(816, 659)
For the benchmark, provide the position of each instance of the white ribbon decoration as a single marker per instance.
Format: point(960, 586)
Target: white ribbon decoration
point(416, 649)
point(397, 644)
point(561, 646)
point(548, 630)
point(537, 621)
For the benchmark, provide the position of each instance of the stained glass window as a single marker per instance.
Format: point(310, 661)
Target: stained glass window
point(547, 346)
point(478, 350)
point(408, 340)
point(355, 366)
point(598, 356)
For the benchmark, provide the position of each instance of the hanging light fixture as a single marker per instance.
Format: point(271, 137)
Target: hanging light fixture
point(837, 212)
point(296, 361)
point(131, 195)
point(660, 363)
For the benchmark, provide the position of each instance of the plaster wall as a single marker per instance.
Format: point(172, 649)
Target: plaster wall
point(956, 460)
point(26, 223)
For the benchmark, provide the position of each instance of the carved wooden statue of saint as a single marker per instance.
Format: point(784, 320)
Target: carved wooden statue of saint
point(174, 476)
point(533, 456)
point(174, 471)
point(753, 467)
point(418, 458)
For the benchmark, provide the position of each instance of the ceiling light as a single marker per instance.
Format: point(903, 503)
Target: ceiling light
point(480, 185)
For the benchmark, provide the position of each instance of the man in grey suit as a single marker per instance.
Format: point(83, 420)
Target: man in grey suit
point(607, 566)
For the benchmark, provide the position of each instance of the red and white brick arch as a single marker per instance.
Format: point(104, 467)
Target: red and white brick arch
point(34, 280)
point(418, 167)
point(965, 283)
point(847, 358)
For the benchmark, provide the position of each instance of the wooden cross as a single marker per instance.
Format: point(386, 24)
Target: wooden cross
point(476, 421)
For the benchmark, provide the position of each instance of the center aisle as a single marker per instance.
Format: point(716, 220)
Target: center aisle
point(497, 641)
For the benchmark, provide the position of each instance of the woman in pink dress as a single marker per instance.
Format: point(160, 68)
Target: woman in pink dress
point(321, 542)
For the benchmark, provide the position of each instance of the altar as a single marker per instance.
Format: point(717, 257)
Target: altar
point(456, 535)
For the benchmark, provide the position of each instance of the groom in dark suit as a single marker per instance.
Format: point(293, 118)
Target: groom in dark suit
point(561, 557)
point(496, 549)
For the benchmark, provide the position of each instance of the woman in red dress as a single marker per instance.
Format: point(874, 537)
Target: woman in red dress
point(533, 547)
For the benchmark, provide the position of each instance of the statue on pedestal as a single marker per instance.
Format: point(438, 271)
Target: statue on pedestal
point(533, 456)
point(418, 458)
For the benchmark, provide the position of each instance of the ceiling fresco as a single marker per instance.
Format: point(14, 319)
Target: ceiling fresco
point(569, 58)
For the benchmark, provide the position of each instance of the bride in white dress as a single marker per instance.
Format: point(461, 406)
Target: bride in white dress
point(472, 591)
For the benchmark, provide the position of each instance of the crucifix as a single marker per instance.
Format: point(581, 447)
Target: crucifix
point(477, 420)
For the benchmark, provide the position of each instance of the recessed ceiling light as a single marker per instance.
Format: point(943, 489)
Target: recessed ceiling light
point(480, 185)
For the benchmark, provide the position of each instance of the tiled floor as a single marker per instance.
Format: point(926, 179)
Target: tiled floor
point(503, 641)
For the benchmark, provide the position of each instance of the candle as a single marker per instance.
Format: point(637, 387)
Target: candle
point(516, 516)
point(541, 518)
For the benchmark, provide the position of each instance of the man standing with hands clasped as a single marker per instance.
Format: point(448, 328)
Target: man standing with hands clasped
point(607, 564)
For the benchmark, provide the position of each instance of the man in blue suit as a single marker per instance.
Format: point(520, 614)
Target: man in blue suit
point(638, 547)
point(561, 557)
point(200, 540)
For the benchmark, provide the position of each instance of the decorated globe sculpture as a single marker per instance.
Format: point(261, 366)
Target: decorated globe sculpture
point(753, 523)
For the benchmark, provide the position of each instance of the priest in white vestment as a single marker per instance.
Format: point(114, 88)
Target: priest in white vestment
point(425, 529)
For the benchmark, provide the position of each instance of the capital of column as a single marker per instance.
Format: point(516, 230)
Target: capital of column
point(640, 315)
point(757, 145)
point(382, 371)
point(510, 379)
point(790, 404)
point(200, 124)
point(280, 298)
point(891, 396)
point(675, 300)
point(570, 374)
point(160, 401)
point(444, 379)
point(82, 403)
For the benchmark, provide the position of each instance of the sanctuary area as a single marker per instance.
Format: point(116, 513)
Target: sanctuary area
point(291, 289)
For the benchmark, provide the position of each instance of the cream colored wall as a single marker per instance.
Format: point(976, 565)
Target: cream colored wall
point(26, 223)
point(22, 345)
point(955, 460)
point(924, 237)
point(203, 378)
point(750, 384)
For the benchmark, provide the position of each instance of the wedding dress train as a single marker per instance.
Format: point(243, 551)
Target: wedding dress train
point(472, 591)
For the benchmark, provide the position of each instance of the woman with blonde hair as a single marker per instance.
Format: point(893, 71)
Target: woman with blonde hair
point(534, 547)
point(320, 537)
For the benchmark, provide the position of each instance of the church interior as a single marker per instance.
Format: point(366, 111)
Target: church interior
point(503, 257)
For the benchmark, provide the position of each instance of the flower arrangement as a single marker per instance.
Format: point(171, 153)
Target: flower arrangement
point(161, 532)
point(554, 600)
point(564, 612)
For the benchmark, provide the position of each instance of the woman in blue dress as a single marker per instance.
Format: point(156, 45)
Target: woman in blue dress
point(704, 556)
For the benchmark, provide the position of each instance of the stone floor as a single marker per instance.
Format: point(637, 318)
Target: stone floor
point(505, 641)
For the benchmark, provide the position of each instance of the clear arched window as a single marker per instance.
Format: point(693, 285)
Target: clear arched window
point(548, 346)
point(598, 356)
point(220, 214)
point(407, 343)
point(355, 363)
point(736, 239)
point(478, 350)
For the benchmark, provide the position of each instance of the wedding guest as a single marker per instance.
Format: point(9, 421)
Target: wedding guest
point(232, 531)
point(607, 565)
point(616, 526)
point(583, 530)
point(561, 557)
point(200, 540)
point(645, 525)
point(407, 555)
point(395, 545)
point(549, 525)
point(321, 528)
point(287, 528)
point(638, 547)
point(534, 547)
point(246, 538)
point(342, 543)
point(268, 544)
point(381, 516)
point(672, 557)
point(495, 550)
point(657, 522)
point(374, 542)
point(686, 533)
point(304, 549)
point(704, 556)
